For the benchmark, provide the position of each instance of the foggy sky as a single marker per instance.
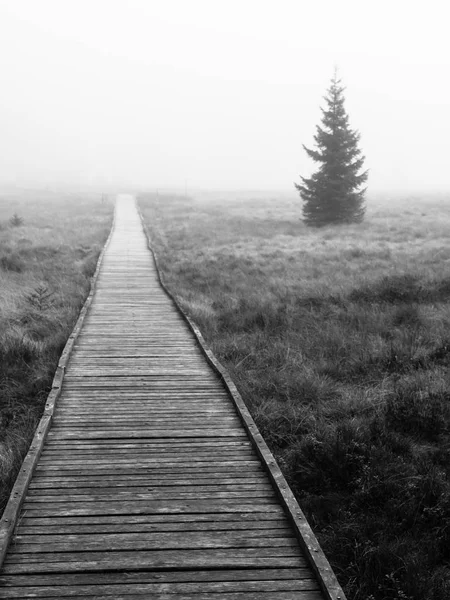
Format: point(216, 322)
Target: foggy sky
point(219, 93)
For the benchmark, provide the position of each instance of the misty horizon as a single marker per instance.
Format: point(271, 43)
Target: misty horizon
point(110, 95)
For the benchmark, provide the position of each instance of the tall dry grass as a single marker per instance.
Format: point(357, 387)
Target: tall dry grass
point(49, 245)
point(339, 342)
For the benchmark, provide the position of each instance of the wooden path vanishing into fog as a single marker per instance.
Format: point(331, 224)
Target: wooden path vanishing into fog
point(152, 482)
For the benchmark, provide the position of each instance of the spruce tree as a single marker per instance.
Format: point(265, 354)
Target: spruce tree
point(332, 194)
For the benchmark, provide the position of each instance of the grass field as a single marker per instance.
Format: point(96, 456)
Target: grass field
point(339, 342)
point(49, 245)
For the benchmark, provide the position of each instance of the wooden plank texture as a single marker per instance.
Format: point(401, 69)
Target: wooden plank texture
point(148, 483)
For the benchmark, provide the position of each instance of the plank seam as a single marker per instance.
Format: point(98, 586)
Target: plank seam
point(305, 535)
point(20, 488)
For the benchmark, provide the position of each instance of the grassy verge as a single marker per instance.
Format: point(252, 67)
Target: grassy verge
point(49, 245)
point(339, 342)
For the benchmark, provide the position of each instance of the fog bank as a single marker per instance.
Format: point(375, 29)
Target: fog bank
point(218, 94)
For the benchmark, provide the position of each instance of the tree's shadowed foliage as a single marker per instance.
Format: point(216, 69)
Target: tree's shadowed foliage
point(332, 194)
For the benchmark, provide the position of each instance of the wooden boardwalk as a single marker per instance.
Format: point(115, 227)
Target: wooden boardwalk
point(148, 484)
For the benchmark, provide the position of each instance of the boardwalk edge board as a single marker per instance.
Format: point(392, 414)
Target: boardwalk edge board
point(18, 493)
point(305, 535)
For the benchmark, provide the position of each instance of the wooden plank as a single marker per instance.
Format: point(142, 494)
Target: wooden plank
point(245, 595)
point(144, 471)
point(243, 458)
point(66, 509)
point(152, 541)
point(162, 443)
point(77, 484)
point(178, 442)
point(190, 588)
point(155, 462)
point(139, 446)
point(133, 433)
point(68, 481)
point(151, 409)
point(47, 562)
point(146, 420)
point(158, 454)
point(167, 486)
point(111, 578)
point(134, 495)
point(175, 517)
point(187, 526)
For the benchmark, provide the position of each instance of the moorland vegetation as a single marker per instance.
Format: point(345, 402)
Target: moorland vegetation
point(338, 340)
point(49, 246)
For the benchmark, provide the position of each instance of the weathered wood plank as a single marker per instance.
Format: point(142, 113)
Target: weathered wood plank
point(187, 526)
point(143, 471)
point(132, 454)
point(132, 495)
point(212, 517)
point(190, 588)
point(241, 459)
point(131, 433)
point(112, 578)
point(46, 562)
point(64, 509)
point(153, 541)
point(245, 595)
point(77, 484)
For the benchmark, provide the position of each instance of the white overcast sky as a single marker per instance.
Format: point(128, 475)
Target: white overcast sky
point(220, 93)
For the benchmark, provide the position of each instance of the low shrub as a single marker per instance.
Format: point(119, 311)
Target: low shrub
point(16, 220)
point(12, 262)
point(419, 412)
point(391, 289)
point(40, 298)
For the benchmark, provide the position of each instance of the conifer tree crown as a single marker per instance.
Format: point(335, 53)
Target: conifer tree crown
point(331, 195)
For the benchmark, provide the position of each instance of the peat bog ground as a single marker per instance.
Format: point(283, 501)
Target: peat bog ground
point(339, 342)
point(49, 246)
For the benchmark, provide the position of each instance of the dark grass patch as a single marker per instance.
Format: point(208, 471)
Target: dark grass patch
point(32, 254)
point(441, 354)
point(16, 220)
point(407, 315)
point(418, 412)
point(369, 494)
point(406, 289)
point(249, 316)
point(390, 289)
point(12, 262)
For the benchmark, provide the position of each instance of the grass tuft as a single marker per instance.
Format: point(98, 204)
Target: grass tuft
point(16, 220)
point(419, 410)
point(40, 298)
point(13, 262)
